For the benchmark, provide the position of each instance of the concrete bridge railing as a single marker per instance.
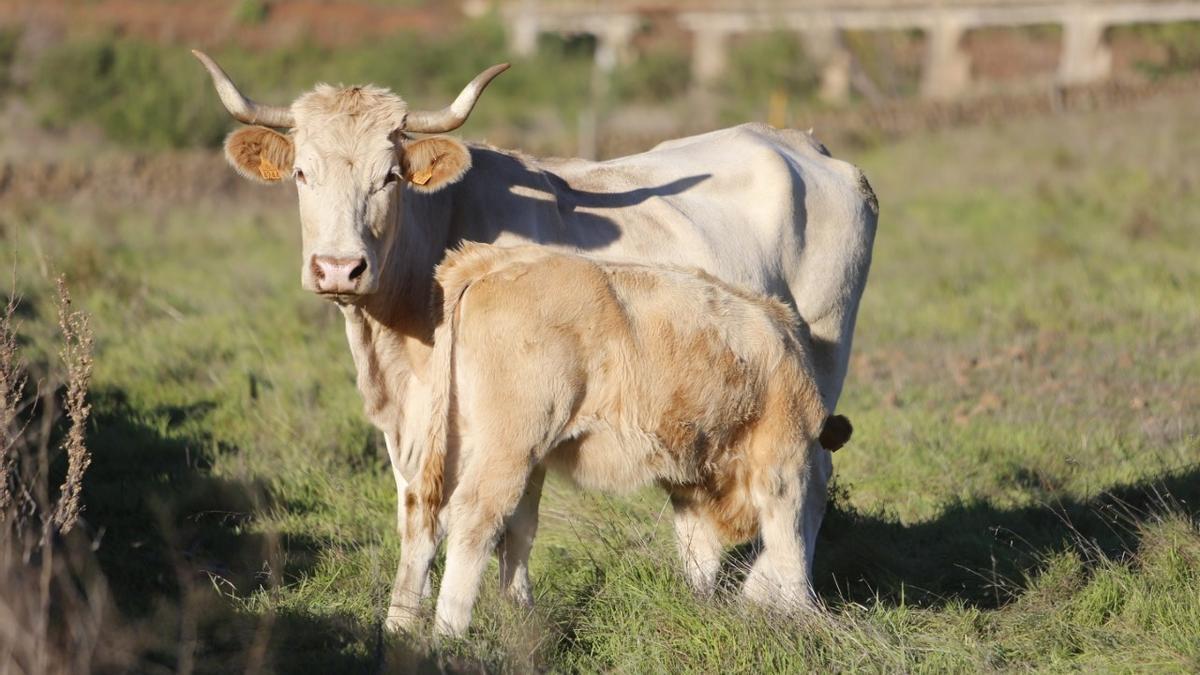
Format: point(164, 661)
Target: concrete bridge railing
point(1085, 57)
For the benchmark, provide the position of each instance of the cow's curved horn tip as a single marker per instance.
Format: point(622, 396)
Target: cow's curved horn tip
point(203, 58)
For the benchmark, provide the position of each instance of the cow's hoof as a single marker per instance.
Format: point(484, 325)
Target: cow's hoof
point(520, 595)
point(399, 620)
point(779, 597)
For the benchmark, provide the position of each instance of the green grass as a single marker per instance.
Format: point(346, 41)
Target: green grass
point(1020, 493)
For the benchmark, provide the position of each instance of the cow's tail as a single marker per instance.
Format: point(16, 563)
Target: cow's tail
point(835, 432)
point(432, 473)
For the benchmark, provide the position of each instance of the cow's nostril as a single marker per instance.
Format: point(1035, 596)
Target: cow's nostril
point(317, 271)
point(358, 269)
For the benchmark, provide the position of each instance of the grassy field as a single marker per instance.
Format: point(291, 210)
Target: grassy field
point(1021, 491)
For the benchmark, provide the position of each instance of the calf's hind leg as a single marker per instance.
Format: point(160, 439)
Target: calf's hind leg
point(487, 494)
point(517, 542)
point(505, 447)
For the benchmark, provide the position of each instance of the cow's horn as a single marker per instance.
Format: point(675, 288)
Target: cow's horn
point(242, 108)
point(453, 116)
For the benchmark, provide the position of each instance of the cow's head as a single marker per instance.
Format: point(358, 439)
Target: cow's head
point(348, 151)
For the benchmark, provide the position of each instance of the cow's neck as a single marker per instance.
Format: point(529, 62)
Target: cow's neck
point(391, 333)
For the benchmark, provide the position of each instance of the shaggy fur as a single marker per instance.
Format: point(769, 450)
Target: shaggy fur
point(620, 376)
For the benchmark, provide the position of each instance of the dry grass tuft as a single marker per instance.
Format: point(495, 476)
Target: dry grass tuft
point(54, 607)
point(77, 357)
point(12, 384)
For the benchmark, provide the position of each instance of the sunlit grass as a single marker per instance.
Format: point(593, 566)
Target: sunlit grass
point(1020, 491)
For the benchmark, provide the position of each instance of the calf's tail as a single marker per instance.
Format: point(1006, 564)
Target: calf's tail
point(431, 477)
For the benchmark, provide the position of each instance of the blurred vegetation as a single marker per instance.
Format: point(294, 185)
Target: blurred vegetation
point(139, 93)
point(152, 95)
point(8, 50)
point(1021, 492)
point(660, 75)
point(762, 66)
point(250, 11)
point(146, 94)
point(1181, 42)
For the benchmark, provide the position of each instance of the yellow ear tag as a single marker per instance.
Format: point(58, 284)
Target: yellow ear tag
point(422, 177)
point(267, 170)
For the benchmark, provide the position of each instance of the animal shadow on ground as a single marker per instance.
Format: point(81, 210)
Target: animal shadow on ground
point(977, 554)
point(173, 540)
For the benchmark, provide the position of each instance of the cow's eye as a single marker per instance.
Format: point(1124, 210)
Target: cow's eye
point(391, 177)
point(299, 176)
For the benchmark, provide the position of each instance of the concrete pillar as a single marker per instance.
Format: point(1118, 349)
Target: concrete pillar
point(523, 30)
point(947, 71)
point(709, 58)
point(828, 51)
point(1085, 57)
point(614, 35)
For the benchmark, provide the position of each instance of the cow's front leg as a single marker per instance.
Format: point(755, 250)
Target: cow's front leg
point(781, 577)
point(517, 542)
point(419, 543)
point(393, 448)
point(816, 497)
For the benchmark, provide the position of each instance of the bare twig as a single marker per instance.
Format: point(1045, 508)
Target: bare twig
point(77, 357)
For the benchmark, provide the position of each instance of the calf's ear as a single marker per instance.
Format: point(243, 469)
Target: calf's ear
point(431, 164)
point(260, 154)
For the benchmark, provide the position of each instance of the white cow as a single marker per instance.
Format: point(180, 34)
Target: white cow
point(764, 208)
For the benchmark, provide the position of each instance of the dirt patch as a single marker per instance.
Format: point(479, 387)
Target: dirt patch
point(325, 22)
point(166, 178)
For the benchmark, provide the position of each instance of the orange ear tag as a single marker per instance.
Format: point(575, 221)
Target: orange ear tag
point(422, 177)
point(267, 170)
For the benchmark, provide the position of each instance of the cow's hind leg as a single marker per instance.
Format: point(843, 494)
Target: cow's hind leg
point(700, 547)
point(517, 542)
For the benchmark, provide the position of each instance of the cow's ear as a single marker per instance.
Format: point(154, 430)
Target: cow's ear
point(260, 154)
point(431, 164)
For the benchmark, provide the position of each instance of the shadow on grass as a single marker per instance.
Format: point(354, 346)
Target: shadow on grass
point(175, 541)
point(979, 555)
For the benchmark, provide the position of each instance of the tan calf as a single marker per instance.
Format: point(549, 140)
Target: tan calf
point(619, 375)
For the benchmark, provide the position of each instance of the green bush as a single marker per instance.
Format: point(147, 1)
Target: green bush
point(250, 11)
point(8, 50)
point(657, 76)
point(148, 95)
point(761, 67)
point(1182, 44)
point(139, 94)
